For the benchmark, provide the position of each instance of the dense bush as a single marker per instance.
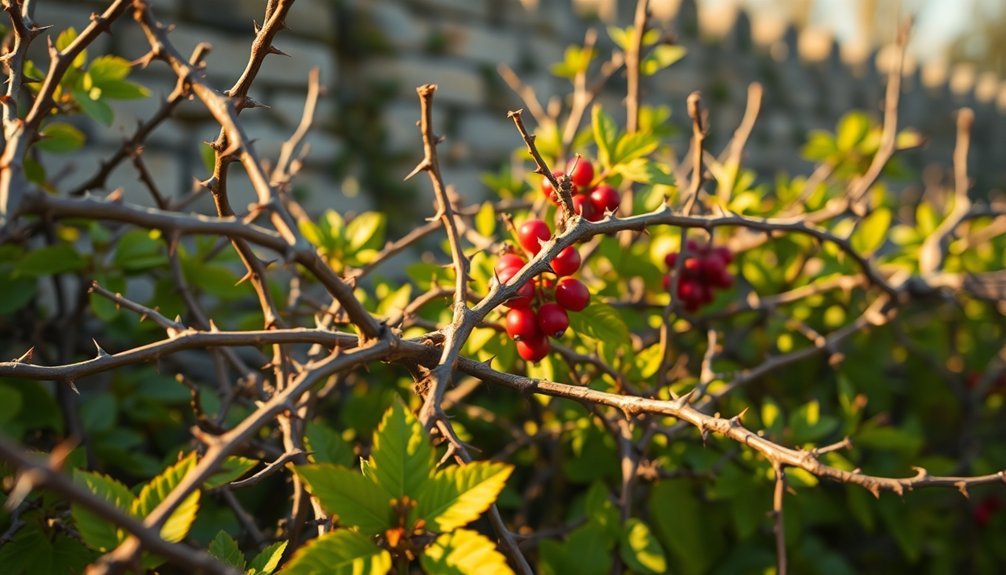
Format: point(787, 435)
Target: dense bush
point(634, 359)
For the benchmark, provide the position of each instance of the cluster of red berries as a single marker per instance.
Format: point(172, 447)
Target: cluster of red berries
point(704, 270)
point(590, 201)
point(533, 317)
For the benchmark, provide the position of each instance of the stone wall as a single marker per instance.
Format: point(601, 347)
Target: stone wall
point(373, 53)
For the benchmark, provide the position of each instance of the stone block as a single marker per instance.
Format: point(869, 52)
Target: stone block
point(458, 83)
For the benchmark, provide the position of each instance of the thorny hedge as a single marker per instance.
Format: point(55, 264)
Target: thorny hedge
point(253, 390)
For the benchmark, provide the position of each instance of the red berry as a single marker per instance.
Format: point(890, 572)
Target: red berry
point(510, 260)
point(567, 262)
point(671, 259)
point(712, 266)
point(605, 199)
point(688, 290)
point(666, 281)
point(694, 247)
point(552, 320)
point(525, 294)
point(692, 267)
point(531, 232)
point(571, 294)
point(522, 323)
point(722, 280)
point(583, 206)
point(533, 349)
point(582, 174)
point(546, 186)
point(725, 254)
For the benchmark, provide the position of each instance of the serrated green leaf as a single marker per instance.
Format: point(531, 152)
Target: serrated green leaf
point(63, 41)
point(872, 232)
point(640, 549)
point(456, 496)
point(342, 552)
point(661, 57)
point(355, 499)
point(605, 135)
point(602, 322)
point(226, 549)
point(327, 445)
point(178, 524)
point(464, 552)
point(123, 90)
point(60, 138)
point(675, 513)
point(601, 510)
point(96, 531)
point(268, 559)
point(402, 459)
point(634, 146)
point(233, 467)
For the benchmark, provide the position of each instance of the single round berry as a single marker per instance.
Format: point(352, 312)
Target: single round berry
point(712, 266)
point(509, 260)
point(671, 259)
point(582, 173)
point(533, 350)
point(692, 267)
point(552, 320)
point(522, 323)
point(583, 206)
point(666, 280)
point(531, 233)
point(524, 295)
point(689, 290)
point(567, 262)
point(546, 186)
point(605, 199)
point(571, 294)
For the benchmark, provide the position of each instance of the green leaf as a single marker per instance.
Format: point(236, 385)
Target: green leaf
point(852, 128)
point(178, 524)
point(341, 552)
point(108, 68)
point(233, 467)
point(16, 292)
point(621, 36)
point(10, 403)
point(640, 549)
point(327, 445)
point(605, 135)
point(139, 250)
point(463, 552)
point(402, 459)
point(485, 220)
point(96, 109)
point(662, 57)
point(366, 231)
point(675, 513)
point(96, 531)
point(63, 41)
point(602, 322)
point(268, 559)
point(123, 90)
point(226, 549)
point(456, 496)
point(353, 498)
point(872, 232)
point(51, 260)
point(634, 146)
point(60, 137)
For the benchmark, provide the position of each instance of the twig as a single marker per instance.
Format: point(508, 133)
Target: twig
point(779, 527)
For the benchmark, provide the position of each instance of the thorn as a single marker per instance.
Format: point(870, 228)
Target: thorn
point(423, 165)
point(489, 362)
point(115, 195)
point(101, 352)
point(245, 278)
point(962, 486)
point(73, 386)
point(255, 26)
point(26, 356)
point(875, 490)
point(277, 51)
point(213, 326)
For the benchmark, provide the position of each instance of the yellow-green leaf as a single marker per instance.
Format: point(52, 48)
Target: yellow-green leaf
point(178, 524)
point(457, 496)
point(872, 232)
point(96, 531)
point(341, 552)
point(640, 549)
point(402, 459)
point(464, 552)
point(226, 549)
point(268, 559)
